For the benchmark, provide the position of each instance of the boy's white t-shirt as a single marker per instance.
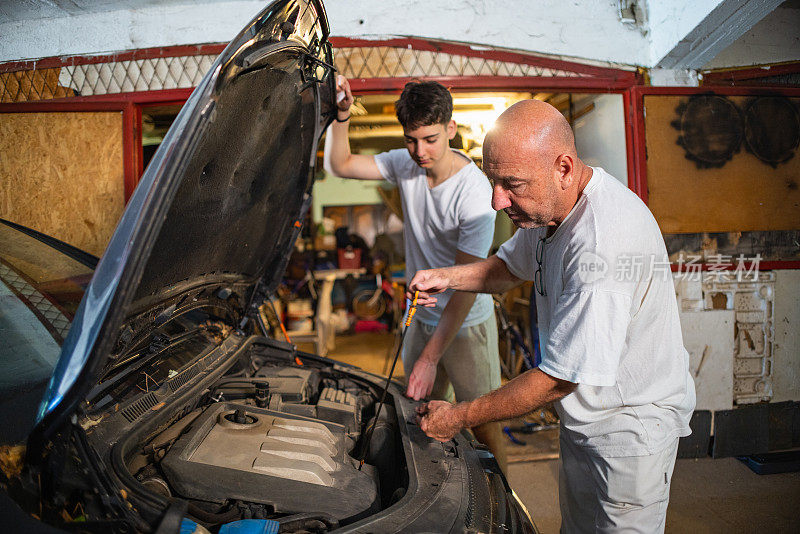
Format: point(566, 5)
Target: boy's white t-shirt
point(609, 322)
point(455, 215)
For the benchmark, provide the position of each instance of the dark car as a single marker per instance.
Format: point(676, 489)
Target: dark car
point(166, 405)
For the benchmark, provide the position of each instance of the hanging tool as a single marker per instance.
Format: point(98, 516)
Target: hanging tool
point(368, 435)
point(297, 360)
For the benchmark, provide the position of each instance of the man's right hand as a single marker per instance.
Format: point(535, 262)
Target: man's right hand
point(344, 97)
point(423, 375)
point(428, 282)
point(441, 420)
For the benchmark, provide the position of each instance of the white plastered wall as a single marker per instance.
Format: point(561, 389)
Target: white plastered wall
point(600, 136)
point(670, 22)
point(584, 29)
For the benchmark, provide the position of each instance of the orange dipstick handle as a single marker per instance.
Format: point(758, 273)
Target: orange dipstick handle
point(413, 309)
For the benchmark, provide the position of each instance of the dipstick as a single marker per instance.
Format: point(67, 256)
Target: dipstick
point(368, 436)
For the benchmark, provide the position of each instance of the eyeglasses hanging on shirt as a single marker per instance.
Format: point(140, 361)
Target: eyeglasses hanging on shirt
point(538, 280)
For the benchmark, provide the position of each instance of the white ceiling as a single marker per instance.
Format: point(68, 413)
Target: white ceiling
point(17, 10)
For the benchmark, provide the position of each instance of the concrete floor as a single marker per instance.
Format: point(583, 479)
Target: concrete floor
point(707, 495)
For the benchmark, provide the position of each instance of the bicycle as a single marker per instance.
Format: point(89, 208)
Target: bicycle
point(515, 352)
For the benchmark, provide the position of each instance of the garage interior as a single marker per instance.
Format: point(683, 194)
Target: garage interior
point(717, 160)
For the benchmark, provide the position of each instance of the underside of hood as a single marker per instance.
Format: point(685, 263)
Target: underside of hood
point(245, 168)
point(223, 199)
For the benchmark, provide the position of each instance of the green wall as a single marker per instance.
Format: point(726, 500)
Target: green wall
point(334, 191)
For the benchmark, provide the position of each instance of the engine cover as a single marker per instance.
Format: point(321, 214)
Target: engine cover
point(293, 463)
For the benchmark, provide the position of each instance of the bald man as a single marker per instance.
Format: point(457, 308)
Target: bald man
point(613, 360)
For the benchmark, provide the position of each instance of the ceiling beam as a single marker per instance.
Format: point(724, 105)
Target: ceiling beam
point(720, 28)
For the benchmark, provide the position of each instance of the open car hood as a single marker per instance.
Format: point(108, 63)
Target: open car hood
point(223, 199)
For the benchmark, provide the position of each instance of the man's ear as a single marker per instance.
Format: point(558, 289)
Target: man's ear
point(564, 165)
point(451, 129)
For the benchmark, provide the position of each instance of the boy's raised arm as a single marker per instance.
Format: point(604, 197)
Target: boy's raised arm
point(338, 158)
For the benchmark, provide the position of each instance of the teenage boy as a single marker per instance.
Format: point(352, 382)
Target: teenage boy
point(448, 220)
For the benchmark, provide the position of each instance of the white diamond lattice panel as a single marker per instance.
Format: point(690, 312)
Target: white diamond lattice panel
point(137, 75)
point(393, 62)
point(185, 72)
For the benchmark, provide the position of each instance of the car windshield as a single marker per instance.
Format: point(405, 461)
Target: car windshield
point(40, 289)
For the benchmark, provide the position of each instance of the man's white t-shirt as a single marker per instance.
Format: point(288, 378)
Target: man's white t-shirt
point(455, 215)
point(609, 322)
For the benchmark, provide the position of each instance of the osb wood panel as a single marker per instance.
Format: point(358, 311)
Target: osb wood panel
point(62, 174)
point(744, 194)
point(40, 84)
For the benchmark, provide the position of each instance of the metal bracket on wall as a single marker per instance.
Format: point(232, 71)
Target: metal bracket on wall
point(752, 298)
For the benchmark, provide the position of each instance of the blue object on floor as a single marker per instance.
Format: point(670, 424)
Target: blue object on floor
point(773, 463)
point(514, 440)
point(188, 526)
point(250, 526)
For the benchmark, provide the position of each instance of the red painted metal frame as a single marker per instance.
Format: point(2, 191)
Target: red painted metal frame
point(597, 79)
point(749, 76)
point(637, 157)
point(594, 80)
point(129, 55)
point(131, 134)
point(616, 77)
point(137, 147)
point(139, 97)
point(638, 179)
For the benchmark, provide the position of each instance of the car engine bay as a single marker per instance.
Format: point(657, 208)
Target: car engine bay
point(280, 434)
point(194, 418)
point(286, 429)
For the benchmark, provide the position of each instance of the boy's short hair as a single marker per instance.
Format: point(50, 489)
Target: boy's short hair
point(424, 103)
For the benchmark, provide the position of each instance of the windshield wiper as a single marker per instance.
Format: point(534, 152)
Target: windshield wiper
point(68, 250)
point(133, 362)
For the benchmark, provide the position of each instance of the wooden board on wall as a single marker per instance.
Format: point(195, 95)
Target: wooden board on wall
point(742, 193)
point(62, 174)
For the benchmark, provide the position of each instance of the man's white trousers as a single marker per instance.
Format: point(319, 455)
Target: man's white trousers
point(627, 494)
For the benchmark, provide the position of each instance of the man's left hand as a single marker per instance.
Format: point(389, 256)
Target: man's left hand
point(441, 420)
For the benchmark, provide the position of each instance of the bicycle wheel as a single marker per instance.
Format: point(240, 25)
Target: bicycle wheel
point(369, 304)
